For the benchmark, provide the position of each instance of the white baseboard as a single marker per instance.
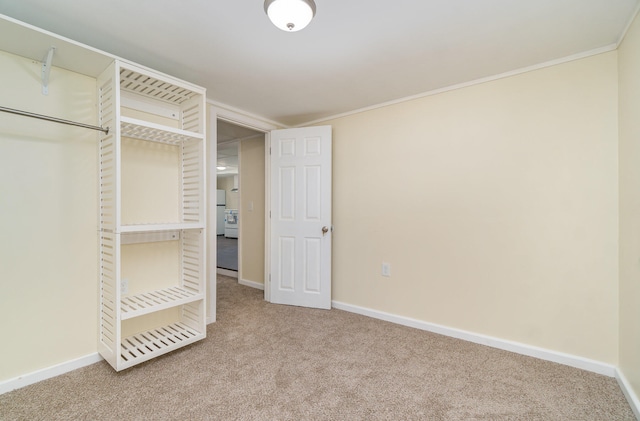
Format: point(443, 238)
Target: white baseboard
point(251, 284)
point(226, 272)
point(519, 348)
point(544, 354)
point(632, 398)
point(47, 373)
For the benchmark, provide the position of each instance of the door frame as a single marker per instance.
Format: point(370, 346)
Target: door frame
point(219, 112)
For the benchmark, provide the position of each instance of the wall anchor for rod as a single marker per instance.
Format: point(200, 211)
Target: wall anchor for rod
point(46, 70)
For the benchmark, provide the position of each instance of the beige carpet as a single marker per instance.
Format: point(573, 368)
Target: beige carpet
point(268, 362)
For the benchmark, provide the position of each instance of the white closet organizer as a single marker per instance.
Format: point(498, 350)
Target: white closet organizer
point(152, 251)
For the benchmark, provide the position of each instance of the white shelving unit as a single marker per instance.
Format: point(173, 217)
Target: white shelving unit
point(149, 108)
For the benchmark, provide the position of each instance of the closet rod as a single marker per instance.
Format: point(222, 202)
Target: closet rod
point(54, 119)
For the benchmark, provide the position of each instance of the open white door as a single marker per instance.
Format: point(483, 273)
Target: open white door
point(301, 217)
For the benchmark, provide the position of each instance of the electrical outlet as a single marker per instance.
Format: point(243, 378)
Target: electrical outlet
point(386, 269)
point(124, 286)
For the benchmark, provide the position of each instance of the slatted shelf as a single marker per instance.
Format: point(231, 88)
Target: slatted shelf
point(151, 87)
point(150, 302)
point(152, 343)
point(152, 132)
point(160, 227)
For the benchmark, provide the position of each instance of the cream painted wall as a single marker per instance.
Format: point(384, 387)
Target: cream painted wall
point(629, 156)
point(48, 203)
point(496, 206)
point(151, 182)
point(252, 188)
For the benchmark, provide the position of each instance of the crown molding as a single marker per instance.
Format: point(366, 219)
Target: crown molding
point(623, 34)
point(574, 57)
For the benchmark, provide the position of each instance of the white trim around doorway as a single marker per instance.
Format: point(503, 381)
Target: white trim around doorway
point(219, 111)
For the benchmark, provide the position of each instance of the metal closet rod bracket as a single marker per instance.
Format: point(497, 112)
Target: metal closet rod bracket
point(46, 70)
point(54, 119)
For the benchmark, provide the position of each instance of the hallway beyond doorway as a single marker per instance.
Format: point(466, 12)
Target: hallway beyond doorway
point(227, 253)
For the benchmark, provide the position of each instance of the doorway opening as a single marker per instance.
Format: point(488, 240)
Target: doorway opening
point(240, 202)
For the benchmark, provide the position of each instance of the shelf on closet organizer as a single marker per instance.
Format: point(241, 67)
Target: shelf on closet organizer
point(159, 227)
point(152, 343)
point(152, 132)
point(150, 302)
point(151, 87)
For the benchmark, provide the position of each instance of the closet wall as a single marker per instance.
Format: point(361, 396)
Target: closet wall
point(48, 204)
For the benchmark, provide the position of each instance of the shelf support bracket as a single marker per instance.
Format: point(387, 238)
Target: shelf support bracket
point(46, 69)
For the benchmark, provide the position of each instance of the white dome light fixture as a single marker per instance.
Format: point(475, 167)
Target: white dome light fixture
point(290, 15)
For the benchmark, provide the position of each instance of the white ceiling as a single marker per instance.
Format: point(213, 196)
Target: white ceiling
point(354, 54)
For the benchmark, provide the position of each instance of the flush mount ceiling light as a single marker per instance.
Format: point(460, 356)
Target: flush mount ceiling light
point(290, 15)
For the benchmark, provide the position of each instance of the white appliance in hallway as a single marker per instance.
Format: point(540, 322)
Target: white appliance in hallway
point(231, 223)
point(220, 208)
